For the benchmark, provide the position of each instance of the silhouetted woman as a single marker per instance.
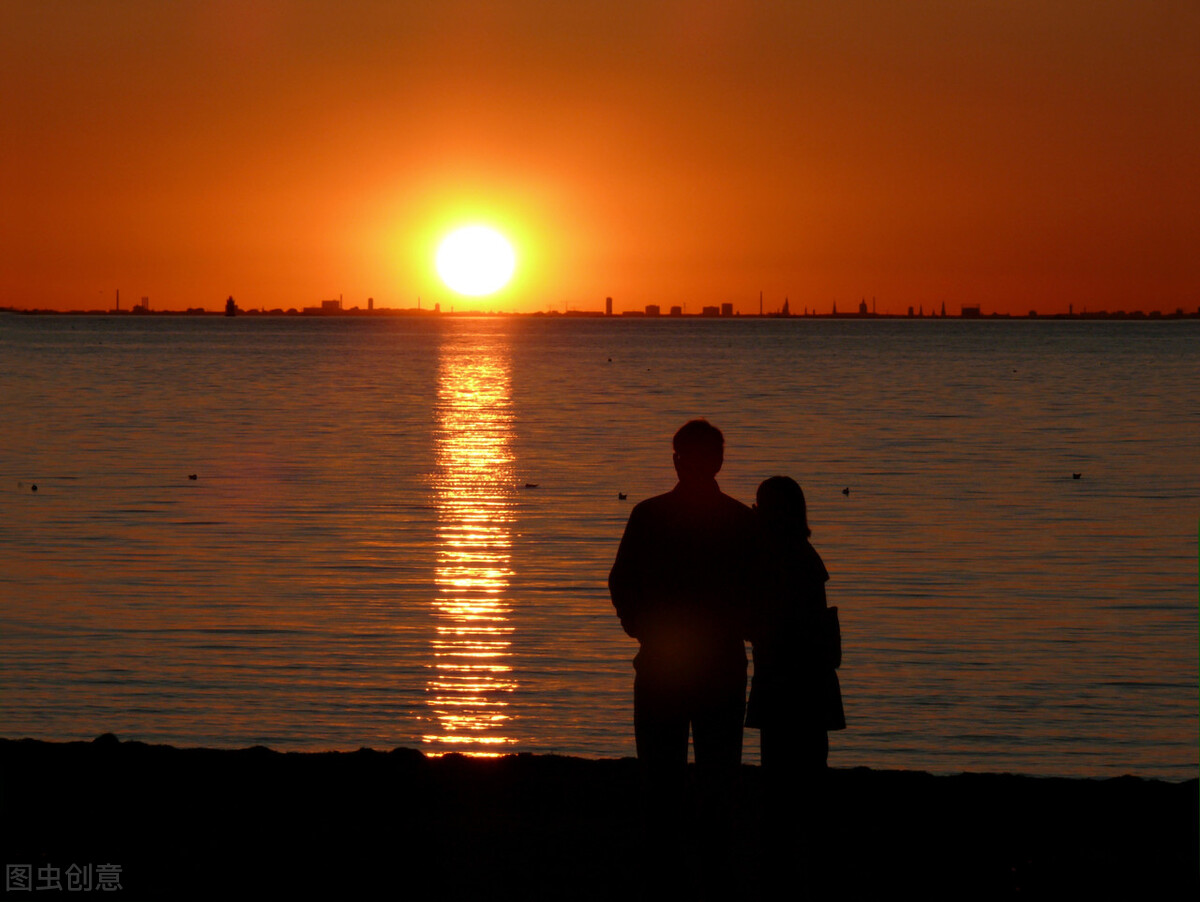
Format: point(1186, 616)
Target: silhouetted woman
point(795, 698)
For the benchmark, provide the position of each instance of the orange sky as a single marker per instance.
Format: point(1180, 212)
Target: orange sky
point(1011, 154)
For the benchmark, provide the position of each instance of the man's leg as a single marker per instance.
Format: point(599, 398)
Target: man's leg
point(660, 723)
point(717, 738)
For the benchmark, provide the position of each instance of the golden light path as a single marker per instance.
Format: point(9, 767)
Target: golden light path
point(468, 690)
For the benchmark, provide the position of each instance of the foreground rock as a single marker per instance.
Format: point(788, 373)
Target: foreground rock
point(203, 823)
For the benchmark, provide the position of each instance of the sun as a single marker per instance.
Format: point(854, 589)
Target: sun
point(475, 260)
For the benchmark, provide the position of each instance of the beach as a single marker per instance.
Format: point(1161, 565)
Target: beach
point(203, 823)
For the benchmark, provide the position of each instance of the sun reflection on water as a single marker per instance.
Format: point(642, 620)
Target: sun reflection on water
point(472, 674)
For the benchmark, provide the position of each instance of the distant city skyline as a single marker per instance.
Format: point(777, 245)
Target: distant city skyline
point(651, 311)
point(1014, 156)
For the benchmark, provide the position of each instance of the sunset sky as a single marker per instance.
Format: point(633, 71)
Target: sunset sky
point(1012, 154)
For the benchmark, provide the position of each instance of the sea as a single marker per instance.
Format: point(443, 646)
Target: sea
point(327, 533)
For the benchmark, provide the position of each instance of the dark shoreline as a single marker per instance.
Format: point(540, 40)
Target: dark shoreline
point(205, 823)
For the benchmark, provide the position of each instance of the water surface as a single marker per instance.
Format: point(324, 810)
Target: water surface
point(359, 560)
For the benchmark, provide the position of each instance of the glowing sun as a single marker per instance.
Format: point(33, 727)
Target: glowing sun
point(475, 260)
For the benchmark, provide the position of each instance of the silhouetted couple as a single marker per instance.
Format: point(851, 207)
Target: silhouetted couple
point(698, 573)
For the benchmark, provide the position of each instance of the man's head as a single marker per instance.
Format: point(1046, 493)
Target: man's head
point(699, 450)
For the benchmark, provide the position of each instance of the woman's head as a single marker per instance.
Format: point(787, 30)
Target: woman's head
point(780, 503)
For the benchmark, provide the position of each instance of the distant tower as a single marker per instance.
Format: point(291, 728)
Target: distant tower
point(760, 302)
point(370, 304)
point(835, 308)
point(786, 311)
point(608, 306)
point(118, 300)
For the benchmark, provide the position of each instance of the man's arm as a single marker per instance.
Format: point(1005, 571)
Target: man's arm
point(625, 580)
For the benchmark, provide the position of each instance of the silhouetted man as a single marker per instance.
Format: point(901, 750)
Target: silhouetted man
point(679, 585)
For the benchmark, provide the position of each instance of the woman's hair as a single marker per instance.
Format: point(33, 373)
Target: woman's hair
point(781, 505)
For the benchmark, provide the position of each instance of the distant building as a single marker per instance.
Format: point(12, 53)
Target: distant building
point(370, 305)
point(331, 306)
point(862, 307)
point(710, 311)
point(727, 310)
point(677, 311)
point(911, 312)
point(971, 311)
point(608, 306)
point(653, 310)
